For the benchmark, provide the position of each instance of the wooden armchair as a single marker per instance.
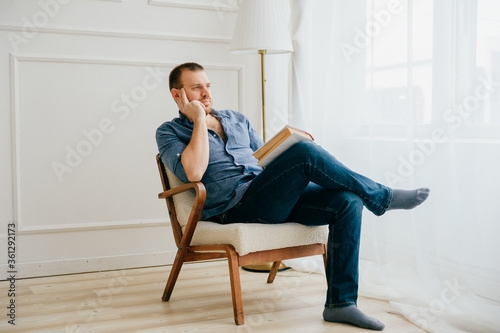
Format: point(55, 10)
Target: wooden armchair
point(241, 243)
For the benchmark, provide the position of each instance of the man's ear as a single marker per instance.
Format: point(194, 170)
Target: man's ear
point(176, 94)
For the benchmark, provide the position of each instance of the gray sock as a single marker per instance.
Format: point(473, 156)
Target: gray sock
point(352, 315)
point(408, 199)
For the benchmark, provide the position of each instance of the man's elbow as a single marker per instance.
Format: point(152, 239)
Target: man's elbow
point(194, 171)
point(194, 176)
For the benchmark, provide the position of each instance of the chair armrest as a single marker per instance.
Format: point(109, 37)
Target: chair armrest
point(196, 210)
point(198, 187)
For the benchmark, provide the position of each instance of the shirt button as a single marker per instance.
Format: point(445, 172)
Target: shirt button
point(215, 135)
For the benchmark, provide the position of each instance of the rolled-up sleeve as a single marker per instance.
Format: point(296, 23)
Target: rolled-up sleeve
point(170, 147)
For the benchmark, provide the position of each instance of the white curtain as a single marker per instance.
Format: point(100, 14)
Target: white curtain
point(408, 93)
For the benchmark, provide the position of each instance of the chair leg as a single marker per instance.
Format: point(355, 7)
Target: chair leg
point(273, 271)
point(172, 278)
point(234, 275)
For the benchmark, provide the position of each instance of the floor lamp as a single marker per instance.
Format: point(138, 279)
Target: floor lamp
point(261, 28)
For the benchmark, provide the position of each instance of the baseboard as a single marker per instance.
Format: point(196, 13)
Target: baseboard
point(84, 265)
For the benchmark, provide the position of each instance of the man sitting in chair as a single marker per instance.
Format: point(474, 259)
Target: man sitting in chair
point(305, 184)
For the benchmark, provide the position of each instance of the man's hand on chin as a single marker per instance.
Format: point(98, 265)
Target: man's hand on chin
point(194, 110)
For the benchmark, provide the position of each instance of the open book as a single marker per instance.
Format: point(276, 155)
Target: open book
point(283, 140)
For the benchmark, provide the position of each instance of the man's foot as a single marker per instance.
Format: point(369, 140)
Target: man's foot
point(408, 199)
point(352, 315)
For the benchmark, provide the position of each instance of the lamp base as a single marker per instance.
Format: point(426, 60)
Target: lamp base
point(264, 267)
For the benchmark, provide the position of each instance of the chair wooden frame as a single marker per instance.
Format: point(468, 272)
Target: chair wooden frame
point(188, 253)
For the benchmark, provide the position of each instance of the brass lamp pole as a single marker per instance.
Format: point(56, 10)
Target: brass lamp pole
point(263, 85)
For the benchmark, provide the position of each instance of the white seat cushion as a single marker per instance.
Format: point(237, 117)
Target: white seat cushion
point(245, 237)
point(253, 237)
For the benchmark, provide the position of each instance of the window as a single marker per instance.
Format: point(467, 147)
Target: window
point(433, 63)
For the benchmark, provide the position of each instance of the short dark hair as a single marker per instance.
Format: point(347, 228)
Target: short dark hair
point(174, 80)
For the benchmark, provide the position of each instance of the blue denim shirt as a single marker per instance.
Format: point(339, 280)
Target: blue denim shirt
point(231, 165)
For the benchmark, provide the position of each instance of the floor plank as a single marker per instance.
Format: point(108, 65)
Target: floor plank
point(129, 301)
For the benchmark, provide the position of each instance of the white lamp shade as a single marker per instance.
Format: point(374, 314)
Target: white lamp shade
point(261, 25)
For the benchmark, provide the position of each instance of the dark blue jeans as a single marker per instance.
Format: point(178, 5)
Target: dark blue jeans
point(307, 185)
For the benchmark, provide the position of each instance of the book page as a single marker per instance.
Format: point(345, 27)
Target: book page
point(272, 143)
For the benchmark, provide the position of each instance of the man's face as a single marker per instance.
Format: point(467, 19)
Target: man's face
point(197, 87)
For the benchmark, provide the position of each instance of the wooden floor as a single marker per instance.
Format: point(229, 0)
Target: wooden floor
point(129, 301)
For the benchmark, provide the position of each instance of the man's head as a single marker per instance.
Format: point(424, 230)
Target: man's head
point(192, 77)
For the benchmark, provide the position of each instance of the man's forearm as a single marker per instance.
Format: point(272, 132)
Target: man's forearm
point(194, 158)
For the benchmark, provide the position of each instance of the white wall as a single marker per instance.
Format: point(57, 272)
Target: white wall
point(83, 87)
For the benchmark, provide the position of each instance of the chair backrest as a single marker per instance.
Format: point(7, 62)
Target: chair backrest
point(182, 202)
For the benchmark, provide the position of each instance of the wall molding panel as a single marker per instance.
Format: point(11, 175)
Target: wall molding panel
point(214, 5)
point(92, 226)
point(183, 37)
point(15, 61)
point(111, 61)
point(14, 112)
